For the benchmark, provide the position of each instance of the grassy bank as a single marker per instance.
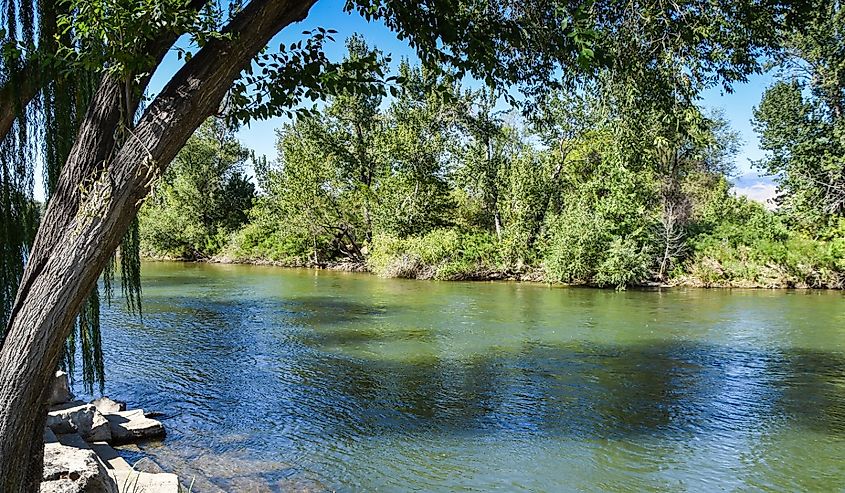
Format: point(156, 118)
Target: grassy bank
point(724, 261)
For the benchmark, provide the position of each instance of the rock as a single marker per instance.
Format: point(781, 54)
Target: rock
point(144, 482)
point(74, 470)
point(72, 440)
point(148, 465)
point(110, 457)
point(106, 405)
point(60, 392)
point(84, 419)
point(66, 405)
point(128, 426)
point(49, 436)
point(60, 486)
point(144, 476)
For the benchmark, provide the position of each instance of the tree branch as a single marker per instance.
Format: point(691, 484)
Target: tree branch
point(96, 138)
point(16, 94)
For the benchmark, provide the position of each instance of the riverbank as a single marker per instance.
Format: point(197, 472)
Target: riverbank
point(409, 269)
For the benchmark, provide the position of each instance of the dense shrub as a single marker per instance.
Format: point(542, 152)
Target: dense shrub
point(625, 263)
point(440, 254)
point(753, 247)
point(436, 182)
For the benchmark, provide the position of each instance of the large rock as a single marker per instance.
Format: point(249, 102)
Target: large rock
point(60, 391)
point(112, 460)
point(84, 419)
point(128, 426)
point(49, 436)
point(106, 405)
point(144, 477)
point(66, 405)
point(74, 470)
point(144, 482)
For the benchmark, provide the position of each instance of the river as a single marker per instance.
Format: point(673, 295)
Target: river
point(276, 379)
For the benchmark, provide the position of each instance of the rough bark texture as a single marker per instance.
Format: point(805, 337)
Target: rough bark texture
point(74, 244)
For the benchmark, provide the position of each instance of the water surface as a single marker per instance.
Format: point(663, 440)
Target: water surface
point(295, 380)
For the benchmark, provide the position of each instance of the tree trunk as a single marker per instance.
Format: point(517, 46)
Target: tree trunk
point(497, 222)
point(74, 244)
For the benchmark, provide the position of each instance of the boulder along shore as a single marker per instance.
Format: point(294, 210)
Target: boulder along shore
point(78, 452)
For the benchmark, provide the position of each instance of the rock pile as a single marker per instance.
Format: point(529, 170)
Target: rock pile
point(78, 456)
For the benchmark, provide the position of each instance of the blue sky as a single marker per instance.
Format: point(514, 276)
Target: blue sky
point(260, 135)
point(738, 110)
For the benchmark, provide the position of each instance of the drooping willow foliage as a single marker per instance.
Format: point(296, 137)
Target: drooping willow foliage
point(48, 105)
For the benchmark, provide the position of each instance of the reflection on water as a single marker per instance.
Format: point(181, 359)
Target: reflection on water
point(281, 380)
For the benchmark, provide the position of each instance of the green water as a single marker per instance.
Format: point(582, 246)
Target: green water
point(294, 380)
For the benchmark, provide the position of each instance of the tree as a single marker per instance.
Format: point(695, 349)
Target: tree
point(417, 146)
point(79, 231)
point(801, 121)
point(42, 105)
point(329, 166)
point(355, 169)
point(202, 198)
point(116, 157)
point(487, 153)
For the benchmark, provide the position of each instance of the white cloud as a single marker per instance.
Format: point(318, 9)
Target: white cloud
point(760, 191)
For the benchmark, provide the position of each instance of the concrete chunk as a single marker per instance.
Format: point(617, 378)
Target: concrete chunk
point(49, 436)
point(110, 457)
point(74, 470)
point(144, 482)
point(66, 405)
point(84, 419)
point(106, 405)
point(72, 440)
point(128, 426)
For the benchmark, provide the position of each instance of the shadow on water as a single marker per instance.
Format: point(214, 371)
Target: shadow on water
point(328, 311)
point(648, 393)
point(595, 392)
point(578, 390)
point(322, 311)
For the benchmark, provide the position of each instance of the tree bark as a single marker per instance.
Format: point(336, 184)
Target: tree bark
point(72, 247)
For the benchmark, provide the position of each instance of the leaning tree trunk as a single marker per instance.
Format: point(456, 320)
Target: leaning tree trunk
point(58, 279)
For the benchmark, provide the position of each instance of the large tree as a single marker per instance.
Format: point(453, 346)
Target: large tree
point(202, 198)
point(117, 153)
point(801, 121)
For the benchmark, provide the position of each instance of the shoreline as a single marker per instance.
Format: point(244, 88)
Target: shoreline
point(534, 276)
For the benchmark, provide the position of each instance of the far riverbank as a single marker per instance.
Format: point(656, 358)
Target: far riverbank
point(531, 275)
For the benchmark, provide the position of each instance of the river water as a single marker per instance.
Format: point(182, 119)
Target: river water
point(296, 380)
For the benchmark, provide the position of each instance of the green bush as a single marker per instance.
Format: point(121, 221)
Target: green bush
point(440, 254)
point(625, 263)
point(258, 241)
point(753, 247)
point(201, 200)
point(575, 247)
